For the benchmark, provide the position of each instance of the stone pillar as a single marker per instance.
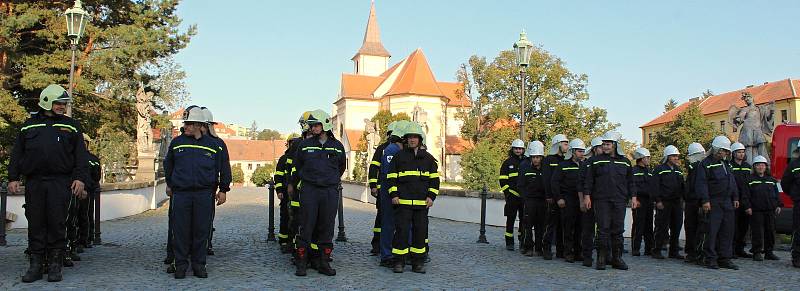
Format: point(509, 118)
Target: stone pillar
point(146, 169)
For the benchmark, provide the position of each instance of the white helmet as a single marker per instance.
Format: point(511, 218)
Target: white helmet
point(695, 148)
point(554, 143)
point(615, 137)
point(737, 146)
point(535, 148)
point(640, 153)
point(210, 120)
point(721, 142)
point(518, 143)
point(597, 141)
point(195, 115)
point(574, 144)
point(669, 151)
point(760, 159)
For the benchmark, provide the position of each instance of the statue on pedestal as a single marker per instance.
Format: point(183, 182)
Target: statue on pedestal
point(144, 138)
point(755, 121)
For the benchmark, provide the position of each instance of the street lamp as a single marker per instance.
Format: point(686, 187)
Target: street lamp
point(522, 50)
point(76, 22)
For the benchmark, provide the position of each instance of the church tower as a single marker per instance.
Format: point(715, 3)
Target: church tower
point(372, 59)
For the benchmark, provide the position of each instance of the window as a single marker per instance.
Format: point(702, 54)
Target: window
point(250, 166)
point(722, 125)
point(784, 116)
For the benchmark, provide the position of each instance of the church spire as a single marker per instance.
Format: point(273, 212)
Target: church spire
point(372, 45)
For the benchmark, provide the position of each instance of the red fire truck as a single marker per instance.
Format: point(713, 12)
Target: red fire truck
point(784, 144)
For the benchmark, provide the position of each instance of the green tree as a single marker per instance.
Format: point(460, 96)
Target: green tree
point(268, 134)
point(262, 175)
point(126, 50)
point(237, 173)
point(688, 126)
point(555, 103)
point(671, 104)
point(293, 135)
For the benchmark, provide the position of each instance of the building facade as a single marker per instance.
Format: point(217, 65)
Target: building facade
point(408, 86)
point(715, 108)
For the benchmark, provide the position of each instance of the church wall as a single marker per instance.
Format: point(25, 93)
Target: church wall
point(454, 124)
point(356, 111)
point(434, 106)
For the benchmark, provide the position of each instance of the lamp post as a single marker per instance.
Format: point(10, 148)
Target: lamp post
point(76, 22)
point(522, 50)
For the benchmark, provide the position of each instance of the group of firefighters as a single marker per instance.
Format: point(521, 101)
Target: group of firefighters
point(575, 197)
point(403, 177)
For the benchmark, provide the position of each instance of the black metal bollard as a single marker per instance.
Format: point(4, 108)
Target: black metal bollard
point(3, 205)
point(482, 236)
point(341, 236)
point(97, 240)
point(271, 229)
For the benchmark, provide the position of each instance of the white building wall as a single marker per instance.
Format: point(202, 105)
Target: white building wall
point(371, 65)
point(454, 124)
point(434, 107)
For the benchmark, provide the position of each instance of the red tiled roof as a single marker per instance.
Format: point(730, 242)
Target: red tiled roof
point(455, 145)
point(177, 114)
point(416, 78)
point(359, 86)
point(772, 91)
point(255, 150)
point(354, 138)
point(221, 128)
point(454, 91)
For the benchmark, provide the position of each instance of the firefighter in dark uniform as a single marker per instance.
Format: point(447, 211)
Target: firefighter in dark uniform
point(719, 197)
point(387, 208)
point(790, 183)
point(192, 168)
point(86, 209)
point(531, 186)
point(373, 174)
point(588, 223)
point(642, 204)
point(695, 223)
point(565, 186)
point(741, 172)
point(291, 183)
point(559, 146)
point(320, 163)
point(413, 181)
point(609, 180)
point(225, 174)
point(281, 183)
point(762, 204)
point(670, 188)
point(513, 208)
point(50, 155)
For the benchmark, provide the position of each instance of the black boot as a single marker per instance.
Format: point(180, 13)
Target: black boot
point(616, 261)
point(587, 261)
point(323, 267)
point(796, 262)
point(79, 248)
point(180, 272)
point(771, 256)
point(169, 259)
point(728, 264)
point(399, 265)
point(758, 257)
point(547, 254)
point(34, 272)
point(301, 261)
point(635, 253)
point(601, 260)
point(54, 266)
point(73, 255)
point(199, 271)
point(742, 254)
point(418, 266)
point(510, 243)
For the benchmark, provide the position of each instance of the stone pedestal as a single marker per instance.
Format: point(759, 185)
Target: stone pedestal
point(146, 170)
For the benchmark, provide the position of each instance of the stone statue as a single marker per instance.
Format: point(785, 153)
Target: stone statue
point(755, 121)
point(144, 136)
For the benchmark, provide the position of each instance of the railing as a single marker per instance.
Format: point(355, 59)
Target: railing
point(271, 228)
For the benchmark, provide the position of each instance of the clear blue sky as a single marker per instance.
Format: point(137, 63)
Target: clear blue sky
point(270, 60)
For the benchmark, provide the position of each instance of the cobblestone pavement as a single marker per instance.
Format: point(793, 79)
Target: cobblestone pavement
point(133, 249)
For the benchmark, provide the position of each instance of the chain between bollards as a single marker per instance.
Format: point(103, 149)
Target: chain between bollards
point(3, 205)
point(341, 236)
point(482, 236)
point(271, 229)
